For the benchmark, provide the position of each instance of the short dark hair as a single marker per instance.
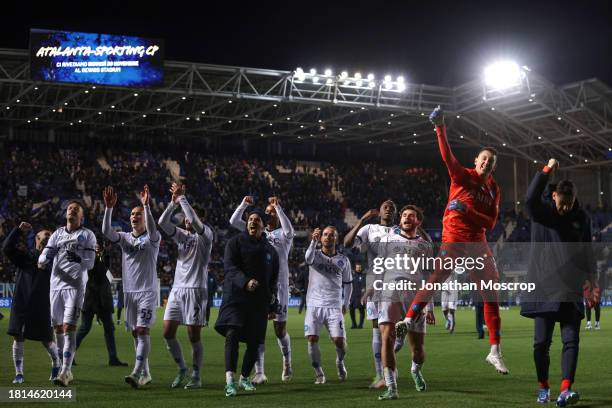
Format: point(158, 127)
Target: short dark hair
point(75, 201)
point(390, 201)
point(566, 188)
point(488, 149)
point(417, 210)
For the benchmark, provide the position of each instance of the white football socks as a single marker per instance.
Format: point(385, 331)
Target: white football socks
point(174, 347)
point(196, 356)
point(259, 363)
point(18, 356)
point(376, 347)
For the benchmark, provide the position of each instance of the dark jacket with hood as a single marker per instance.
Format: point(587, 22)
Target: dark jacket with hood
point(561, 255)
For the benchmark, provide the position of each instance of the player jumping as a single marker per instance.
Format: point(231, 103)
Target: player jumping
point(472, 209)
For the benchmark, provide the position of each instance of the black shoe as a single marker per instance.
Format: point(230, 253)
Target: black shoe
point(353, 327)
point(480, 335)
point(74, 362)
point(117, 363)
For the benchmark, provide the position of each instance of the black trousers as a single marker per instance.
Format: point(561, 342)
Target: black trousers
point(480, 321)
point(597, 308)
point(232, 345)
point(208, 306)
point(569, 320)
point(361, 309)
point(109, 331)
point(302, 302)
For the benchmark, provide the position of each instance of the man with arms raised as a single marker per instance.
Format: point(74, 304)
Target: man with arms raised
point(188, 297)
point(250, 283)
point(279, 233)
point(139, 250)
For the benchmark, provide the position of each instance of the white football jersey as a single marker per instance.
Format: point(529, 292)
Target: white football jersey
point(416, 250)
point(367, 240)
point(326, 278)
point(66, 274)
point(138, 262)
point(413, 254)
point(193, 257)
point(278, 239)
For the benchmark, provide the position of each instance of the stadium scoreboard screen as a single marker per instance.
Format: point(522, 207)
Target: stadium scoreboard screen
point(105, 59)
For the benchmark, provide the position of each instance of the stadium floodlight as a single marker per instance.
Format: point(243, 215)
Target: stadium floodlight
point(503, 75)
point(357, 75)
point(387, 78)
point(313, 71)
point(401, 87)
point(315, 79)
point(387, 85)
point(343, 75)
point(370, 77)
point(359, 83)
point(329, 81)
point(328, 72)
point(299, 75)
point(371, 84)
point(400, 79)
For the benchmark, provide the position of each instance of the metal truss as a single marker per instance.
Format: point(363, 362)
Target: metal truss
point(534, 122)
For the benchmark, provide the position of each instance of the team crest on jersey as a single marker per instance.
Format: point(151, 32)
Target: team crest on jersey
point(397, 230)
point(341, 263)
point(80, 238)
point(268, 257)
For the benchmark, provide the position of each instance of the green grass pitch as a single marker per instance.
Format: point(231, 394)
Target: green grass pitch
point(455, 370)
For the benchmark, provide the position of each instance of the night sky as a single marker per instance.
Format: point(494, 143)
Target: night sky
point(437, 43)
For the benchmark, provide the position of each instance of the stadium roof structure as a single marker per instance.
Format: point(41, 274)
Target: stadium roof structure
point(534, 121)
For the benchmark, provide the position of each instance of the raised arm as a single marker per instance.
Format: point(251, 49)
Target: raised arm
point(150, 224)
point(110, 200)
point(236, 220)
point(193, 218)
point(349, 238)
point(154, 235)
point(165, 220)
point(9, 246)
point(455, 169)
point(534, 206)
point(282, 217)
point(312, 248)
